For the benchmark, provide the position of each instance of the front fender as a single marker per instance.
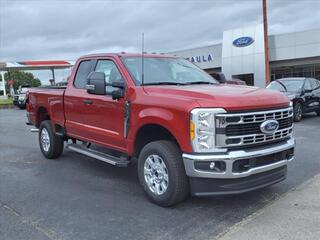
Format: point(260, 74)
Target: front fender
point(175, 121)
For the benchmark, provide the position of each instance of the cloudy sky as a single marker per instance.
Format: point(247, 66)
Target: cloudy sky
point(66, 29)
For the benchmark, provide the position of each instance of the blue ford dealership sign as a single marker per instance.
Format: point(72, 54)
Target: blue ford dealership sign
point(243, 41)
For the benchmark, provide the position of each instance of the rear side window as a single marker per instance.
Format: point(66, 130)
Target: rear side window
point(315, 83)
point(82, 73)
point(307, 85)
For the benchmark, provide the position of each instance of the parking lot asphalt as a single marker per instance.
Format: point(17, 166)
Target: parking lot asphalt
point(76, 197)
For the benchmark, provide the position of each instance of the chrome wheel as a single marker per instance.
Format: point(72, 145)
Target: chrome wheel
point(45, 139)
point(156, 174)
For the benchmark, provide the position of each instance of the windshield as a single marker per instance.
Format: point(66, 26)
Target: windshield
point(24, 90)
point(166, 71)
point(286, 85)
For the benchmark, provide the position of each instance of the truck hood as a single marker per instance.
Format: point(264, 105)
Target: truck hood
point(229, 97)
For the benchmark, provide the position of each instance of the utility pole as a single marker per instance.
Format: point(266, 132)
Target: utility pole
point(266, 42)
point(3, 81)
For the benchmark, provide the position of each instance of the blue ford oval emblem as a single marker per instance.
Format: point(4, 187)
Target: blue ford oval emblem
point(243, 41)
point(269, 126)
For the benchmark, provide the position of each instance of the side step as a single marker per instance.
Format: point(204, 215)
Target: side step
point(116, 161)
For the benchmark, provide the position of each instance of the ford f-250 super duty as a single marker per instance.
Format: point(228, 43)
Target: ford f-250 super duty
point(186, 132)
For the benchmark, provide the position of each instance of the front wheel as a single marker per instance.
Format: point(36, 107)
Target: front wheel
point(51, 145)
point(162, 174)
point(297, 112)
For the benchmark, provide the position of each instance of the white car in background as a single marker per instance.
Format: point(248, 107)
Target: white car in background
point(19, 99)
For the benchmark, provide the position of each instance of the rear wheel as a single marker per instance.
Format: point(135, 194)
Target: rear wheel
point(318, 112)
point(51, 145)
point(297, 112)
point(162, 174)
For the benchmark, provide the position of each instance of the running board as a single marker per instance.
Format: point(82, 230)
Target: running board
point(34, 130)
point(116, 161)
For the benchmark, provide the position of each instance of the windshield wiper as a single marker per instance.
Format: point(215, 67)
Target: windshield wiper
point(163, 83)
point(199, 82)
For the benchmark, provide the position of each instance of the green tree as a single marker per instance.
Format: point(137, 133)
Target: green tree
point(21, 78)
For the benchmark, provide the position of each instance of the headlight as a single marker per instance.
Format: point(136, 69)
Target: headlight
point(291, 96)
point(202, 129)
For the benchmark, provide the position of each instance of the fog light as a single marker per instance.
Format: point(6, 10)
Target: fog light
point(210, 166)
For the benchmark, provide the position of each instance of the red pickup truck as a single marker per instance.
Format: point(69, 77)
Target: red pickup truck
point(186, 132)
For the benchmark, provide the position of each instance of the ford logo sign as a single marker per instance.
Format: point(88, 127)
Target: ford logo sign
point(243, 41)
point(269, 126)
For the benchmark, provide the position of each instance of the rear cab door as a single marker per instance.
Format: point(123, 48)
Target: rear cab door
point(307, 88)
point(95, 118)
point(315, 95)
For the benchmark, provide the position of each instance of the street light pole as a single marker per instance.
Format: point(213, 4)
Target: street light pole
point(266, 42)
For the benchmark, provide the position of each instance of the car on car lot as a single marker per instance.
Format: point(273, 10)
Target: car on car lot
point(19, 99)
point(184, 130)
point(303, 92)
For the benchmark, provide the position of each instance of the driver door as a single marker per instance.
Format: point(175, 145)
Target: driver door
point(99, 119)
point(310, 98)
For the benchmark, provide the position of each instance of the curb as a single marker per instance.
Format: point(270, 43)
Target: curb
point(6, 106)
point(236, 227)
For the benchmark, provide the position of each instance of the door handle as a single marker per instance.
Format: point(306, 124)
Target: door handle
point(87, 101)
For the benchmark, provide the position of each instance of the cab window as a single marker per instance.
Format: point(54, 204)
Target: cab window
point(82, 73)
point(111, 72)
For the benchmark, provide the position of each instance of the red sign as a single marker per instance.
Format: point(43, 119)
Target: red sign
point(10, 82)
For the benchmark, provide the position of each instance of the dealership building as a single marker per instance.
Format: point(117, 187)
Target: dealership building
point(241, 55)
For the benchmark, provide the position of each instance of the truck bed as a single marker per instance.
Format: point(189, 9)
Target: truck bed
point(49, 98)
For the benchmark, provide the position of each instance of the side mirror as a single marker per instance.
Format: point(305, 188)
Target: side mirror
point(307, 90)
point(96, 83)
point(119, 92)
point(220, 77)
point(118, 84)
point(222, 81)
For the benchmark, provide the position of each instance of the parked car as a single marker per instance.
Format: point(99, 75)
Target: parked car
point(303, 92)
point(221, 78)
point(186, 132)
point(19, 99)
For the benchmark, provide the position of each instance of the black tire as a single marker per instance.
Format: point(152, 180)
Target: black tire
point(178, 182)
point(55, 148)
point(297, 112)
point(318, 113)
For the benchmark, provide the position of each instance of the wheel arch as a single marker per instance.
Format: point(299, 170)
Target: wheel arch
point(152, 132)
point(42, 114)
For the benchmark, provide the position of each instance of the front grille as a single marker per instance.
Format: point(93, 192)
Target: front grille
point(254, 128)
point(244, 128)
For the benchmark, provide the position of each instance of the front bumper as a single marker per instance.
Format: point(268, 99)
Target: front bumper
point(19, 103)
point(253, 176)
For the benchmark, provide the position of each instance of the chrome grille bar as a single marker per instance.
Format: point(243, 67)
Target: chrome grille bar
point(250, 122)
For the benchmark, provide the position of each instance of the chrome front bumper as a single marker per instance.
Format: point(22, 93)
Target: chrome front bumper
point(230, 157)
